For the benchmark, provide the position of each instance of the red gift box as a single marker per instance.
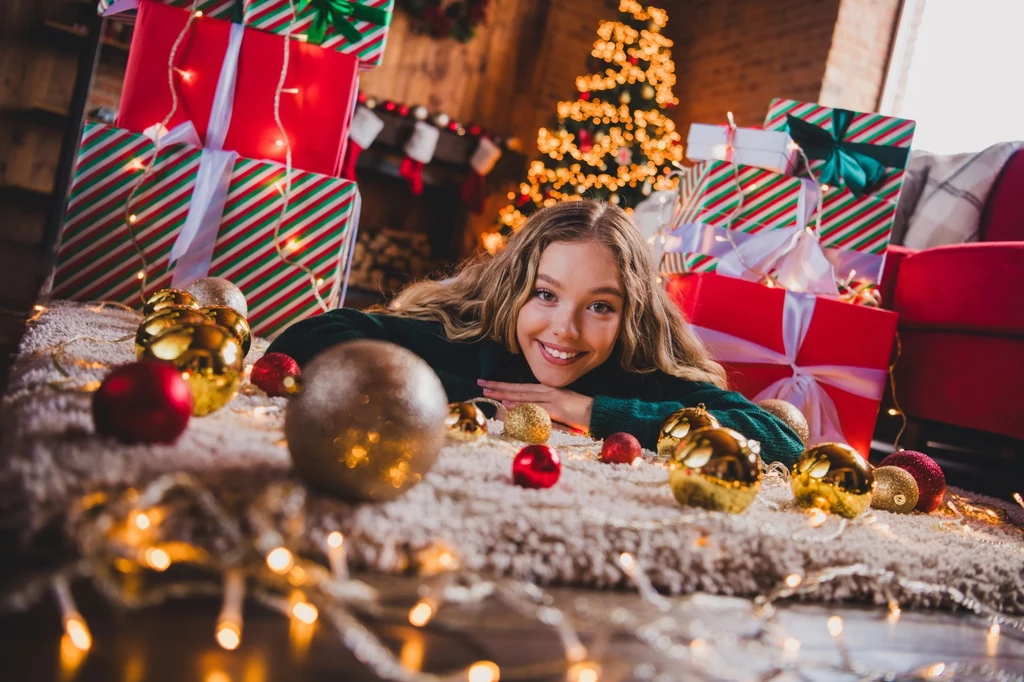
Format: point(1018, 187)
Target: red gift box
point(316, 105)
point(834, 368)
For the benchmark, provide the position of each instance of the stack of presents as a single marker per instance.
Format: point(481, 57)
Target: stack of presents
point(226, 156)
point(774, 251)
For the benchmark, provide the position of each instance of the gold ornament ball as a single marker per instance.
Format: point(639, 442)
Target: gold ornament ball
point(679, 424)
point(895, 490)
point(232, 320)
point(833, 477)
point(529, 423)
point(214, 291)
point(717, 469)
point(368, 422)
point(169, 298)
point(648, 92)
point(162, 320)
point(790, 414)
point(465, 421)
point(209, 358)
point(625, 98)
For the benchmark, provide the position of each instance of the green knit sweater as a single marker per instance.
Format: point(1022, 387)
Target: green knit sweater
point(623, 401)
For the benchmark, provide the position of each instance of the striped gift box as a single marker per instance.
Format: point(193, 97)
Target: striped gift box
point(847, 222)
point(276, 16)
point(711, 194)
point(97, 261)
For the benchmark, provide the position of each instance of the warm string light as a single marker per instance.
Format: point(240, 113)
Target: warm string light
point(639, 577)
point(75, 628)
point(337, 556)
point(302, 610)
point(483, 671)
point(229, 623)
point(423, 612)
point(280, 560)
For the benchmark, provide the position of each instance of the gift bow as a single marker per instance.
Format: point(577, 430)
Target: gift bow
point(341, 15)
point(805, 388)
point(858, 166)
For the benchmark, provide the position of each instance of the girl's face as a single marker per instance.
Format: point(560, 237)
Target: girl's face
point(571, 321)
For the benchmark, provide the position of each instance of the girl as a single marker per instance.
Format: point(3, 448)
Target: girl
point(568, 316)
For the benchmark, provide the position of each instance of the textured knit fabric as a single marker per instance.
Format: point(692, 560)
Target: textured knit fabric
point(623, 401)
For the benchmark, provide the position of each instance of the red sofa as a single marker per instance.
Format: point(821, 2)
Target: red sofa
point(962, 320)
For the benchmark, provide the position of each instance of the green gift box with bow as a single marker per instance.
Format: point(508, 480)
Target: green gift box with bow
point(358, 27)
point(860, 160)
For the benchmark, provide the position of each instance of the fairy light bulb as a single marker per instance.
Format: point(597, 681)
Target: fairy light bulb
point(835, 626)
point(305, 612)
point(584, 672)
point(421, 613)
point(157, 559)
point(791, 646)
point(75, 628)
point(198, 14)
point(142, 521)
point(78, 632)
point(229, 622)
point(132, 219)
point(228, 636)
point(483, 671)
point(280, 560)
point(793, 580)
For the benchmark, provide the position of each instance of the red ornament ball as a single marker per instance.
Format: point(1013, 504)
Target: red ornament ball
point(390, 106)
point(634, 60)
point(270, 371)
point(142, 402)
point(584, 96)
point(475, 130)
point(620, 448)
point(536, 466)
point(931, 482)
point(453, 125)
point(403, 110)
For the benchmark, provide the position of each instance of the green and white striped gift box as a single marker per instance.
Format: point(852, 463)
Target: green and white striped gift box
point(277, 16)
point(97, 260)
point(711, 195)
point(863, 224)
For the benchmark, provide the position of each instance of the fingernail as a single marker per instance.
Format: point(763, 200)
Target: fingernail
point(480, 382)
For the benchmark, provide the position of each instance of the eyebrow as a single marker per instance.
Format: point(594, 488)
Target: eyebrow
point(599, 290)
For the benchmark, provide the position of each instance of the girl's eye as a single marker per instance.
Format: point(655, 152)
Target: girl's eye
point(544, 295)
point(602, 308)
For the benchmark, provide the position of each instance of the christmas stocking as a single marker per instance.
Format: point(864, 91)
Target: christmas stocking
point(481, 163)
point(366, 125)
point(419, 150)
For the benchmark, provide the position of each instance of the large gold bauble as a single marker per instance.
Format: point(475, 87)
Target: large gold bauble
point(529, 423)
point(717, 469)
point(679, 424)
point(465, 422)
point(368, 422)
point(214, 291)
point(790, 415)
point(232, 320)
point(895, 490)
point(209, 359)
point(162, 320)
point(169, 298)
point(833, 477)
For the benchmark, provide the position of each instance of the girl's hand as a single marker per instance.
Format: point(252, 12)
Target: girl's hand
point(566, 407)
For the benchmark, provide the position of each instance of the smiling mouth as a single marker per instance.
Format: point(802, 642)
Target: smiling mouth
point(558, 357)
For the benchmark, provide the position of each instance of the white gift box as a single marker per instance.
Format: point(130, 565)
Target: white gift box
point(769, 149)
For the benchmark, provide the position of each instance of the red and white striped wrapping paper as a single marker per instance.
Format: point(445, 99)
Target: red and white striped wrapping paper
point(97, 261)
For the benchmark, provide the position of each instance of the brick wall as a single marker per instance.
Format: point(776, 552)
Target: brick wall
point(855, 71)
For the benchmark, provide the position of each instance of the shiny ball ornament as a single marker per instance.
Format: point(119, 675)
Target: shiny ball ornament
point(162, 320)
point(368, 423)
point(276, 374)
point(536, 466)
point(931, 482)
point(441, 119)
point(465, 422)
point(232, 320)
point(717, 469)
point(529, 423)
point(169, 298)
point(895, 490)
point(209, 359)
point(216, 291)
point(790, 415)
point(833, 477)
point(420, 112)
point(142, 402)
point(679, 424)
point(620, 448)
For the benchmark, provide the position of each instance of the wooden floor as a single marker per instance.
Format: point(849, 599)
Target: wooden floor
point(175, 643)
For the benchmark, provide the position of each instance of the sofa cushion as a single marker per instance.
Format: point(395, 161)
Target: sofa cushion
point(964, 287)
point(967, 380)
point(1003, 217)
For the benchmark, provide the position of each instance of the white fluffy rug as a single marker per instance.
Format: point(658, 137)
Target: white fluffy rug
point(570, 534)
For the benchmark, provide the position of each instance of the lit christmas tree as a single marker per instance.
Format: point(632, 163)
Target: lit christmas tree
point(614, 142)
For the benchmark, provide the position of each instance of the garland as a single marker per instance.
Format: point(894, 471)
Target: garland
point(456, 19)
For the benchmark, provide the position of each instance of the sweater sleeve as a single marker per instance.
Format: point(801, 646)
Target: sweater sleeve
point(307, 338)
point(644, 419)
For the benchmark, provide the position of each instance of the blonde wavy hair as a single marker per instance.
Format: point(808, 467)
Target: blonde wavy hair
point(484, 298)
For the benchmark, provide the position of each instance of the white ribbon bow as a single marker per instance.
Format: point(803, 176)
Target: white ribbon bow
point(805, 388)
